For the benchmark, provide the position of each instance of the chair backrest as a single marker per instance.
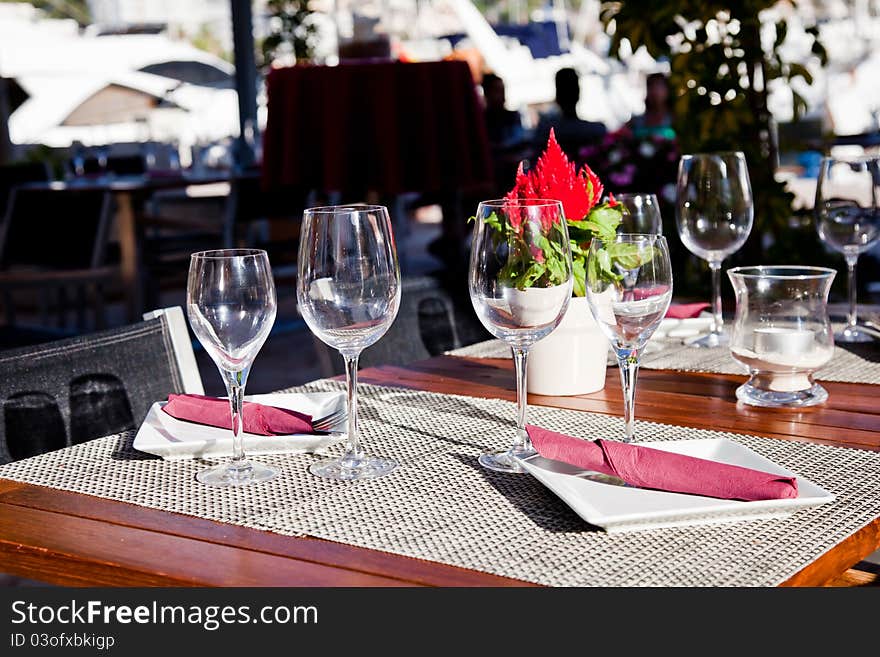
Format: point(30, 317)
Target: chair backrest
point(264, 218)
point(69, 391)
point(55, 229)
point(121, 165)
point(12, 175)
point(428, 323)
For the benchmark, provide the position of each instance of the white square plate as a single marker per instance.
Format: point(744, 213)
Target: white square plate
point(680, 329)
point(170, 438)
point(618, 508)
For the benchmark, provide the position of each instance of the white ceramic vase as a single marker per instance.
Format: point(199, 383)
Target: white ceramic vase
point(572, 360)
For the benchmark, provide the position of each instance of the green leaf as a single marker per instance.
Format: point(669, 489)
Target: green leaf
point(578, 274)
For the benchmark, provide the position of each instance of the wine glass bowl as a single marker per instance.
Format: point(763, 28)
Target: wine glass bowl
point(629, 288)
point(847, 213)
point(714, 214)
point(641, 214)
point(348, 292)
point(231, 306)
point(520, 283)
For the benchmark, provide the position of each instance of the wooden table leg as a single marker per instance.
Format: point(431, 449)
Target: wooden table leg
point(129, 255)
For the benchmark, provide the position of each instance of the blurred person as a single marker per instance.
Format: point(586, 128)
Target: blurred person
point(503, 126)
point(572, 133)
point(657, 119)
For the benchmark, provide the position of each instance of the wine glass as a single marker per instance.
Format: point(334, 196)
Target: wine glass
point(230, 300)
point(348, 290)
point(629, 287)
point(848, 220)
point(102, 155)
point(641, 214)
point(714, 214)
point(520, 282)
point(78, 160)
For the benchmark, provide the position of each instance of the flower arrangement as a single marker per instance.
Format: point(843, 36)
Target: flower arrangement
point(580, 191)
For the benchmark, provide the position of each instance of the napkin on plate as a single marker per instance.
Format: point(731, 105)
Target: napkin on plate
point(644, 467)
point(259, 419)
point(686, 310)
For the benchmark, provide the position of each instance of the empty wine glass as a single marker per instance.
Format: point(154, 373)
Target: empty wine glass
point(714, 214)
point(520, 282)
point(848, 220)
point(230, 300)
point(78, 160)
point(629, 287)
point(348, 292)
point(102, 156)
point(641, 214)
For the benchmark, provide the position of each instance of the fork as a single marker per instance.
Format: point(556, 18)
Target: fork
point(327, 422)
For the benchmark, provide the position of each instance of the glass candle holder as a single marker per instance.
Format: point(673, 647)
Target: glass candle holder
point(782, 333)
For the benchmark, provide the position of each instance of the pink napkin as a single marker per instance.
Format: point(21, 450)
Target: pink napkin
point(259, 419)
point(686, 310)
point(653, 468)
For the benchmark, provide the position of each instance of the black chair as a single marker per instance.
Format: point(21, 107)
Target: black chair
point(70, 391)
point(13, 175)
point(264, 218)
point(54, 242)
point(248, 217)
point(430, 322)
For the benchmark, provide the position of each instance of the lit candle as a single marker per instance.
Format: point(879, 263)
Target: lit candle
point(785, 354)
point(783, 341)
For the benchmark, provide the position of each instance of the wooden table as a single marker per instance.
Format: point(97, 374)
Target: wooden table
point(73, 539)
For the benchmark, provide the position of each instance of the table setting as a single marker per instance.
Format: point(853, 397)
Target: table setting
point(454, 466)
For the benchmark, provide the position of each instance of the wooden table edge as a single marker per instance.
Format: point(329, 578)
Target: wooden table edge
point(395, 568)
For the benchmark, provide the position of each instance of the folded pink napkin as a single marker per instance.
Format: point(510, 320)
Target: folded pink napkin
point(259, 419)
point(644, 467)
point(686, 310)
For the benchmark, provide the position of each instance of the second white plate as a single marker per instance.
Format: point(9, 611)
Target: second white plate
point(618, 508)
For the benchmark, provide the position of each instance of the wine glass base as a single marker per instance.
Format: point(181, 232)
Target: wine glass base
point(250, 472)
point(852, 335)
point(749, 394)
point(709, 341)
point(350, 469)
point(505, 461)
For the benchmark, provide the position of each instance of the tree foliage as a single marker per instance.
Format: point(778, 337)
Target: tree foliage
point(719, 76)
point(291, 32)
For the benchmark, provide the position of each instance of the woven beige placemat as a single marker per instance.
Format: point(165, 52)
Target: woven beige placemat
point(846, 366)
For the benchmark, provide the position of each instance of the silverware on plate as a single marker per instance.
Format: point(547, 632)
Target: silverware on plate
point(327, 422)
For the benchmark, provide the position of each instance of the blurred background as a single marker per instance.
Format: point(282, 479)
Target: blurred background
point(134, 132)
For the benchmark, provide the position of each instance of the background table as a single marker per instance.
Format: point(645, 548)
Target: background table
point(130, 192)
point(70, 538)
point(384, 127)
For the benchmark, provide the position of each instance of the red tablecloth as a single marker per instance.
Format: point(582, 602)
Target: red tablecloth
point(387, 127)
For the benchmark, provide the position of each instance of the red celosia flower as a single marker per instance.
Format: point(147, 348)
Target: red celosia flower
point(537, 254)
point(555, 177)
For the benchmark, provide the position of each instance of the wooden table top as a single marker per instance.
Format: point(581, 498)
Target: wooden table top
point(74, 539)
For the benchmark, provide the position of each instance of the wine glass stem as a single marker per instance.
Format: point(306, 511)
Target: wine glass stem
point(520, 360)
point(235, 383)
point(717, 320)
point(628, 361)
point(353, 449)
point(852, 314)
